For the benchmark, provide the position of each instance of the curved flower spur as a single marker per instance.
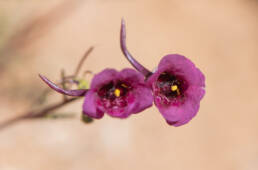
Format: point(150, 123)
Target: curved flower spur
point(118, 94)
point(177, 84)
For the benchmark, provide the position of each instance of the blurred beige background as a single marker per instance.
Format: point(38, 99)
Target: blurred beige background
point(219, 36)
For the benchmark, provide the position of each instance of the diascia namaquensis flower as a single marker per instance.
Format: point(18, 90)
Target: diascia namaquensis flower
point(118, 94)
point(177, 84)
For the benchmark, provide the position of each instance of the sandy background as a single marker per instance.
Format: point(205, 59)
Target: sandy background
point(219, 36)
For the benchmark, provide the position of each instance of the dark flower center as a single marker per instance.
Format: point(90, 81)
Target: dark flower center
point(113, 94)
point(170, 88)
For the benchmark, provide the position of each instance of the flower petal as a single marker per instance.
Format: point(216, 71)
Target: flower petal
point(141, 96)
point(131, 76)
point(138, 100)
point(182, 66)
point(182, 114)
point(90, 107)
point(79, 92)
point(103, 77)
point(119, 112)
point(143, 99)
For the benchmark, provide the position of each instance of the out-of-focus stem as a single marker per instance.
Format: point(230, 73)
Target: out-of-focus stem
point(36, 114)
point(78, 68)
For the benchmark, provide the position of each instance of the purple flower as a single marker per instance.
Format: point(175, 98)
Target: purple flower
point(118, 94)
point(177, 85)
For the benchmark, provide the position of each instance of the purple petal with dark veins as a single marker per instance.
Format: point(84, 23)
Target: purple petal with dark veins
point(79, 92)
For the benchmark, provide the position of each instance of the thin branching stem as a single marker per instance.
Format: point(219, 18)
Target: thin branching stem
point(37, 113)
point(32, 114)
point(79, 66)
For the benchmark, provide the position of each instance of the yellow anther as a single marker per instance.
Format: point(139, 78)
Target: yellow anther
point(174, 88)
point(117, 92)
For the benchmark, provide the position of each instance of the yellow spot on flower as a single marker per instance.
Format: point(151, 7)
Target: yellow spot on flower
point(117, 92)
point(174, 88)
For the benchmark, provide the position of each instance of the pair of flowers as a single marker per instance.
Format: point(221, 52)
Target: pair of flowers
point(176, 88)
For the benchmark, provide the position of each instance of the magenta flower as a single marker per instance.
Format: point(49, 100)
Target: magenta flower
point(177, 85)
point(118, 94)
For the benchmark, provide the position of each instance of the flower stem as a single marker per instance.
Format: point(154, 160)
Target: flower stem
point(36, 114)
point(44, 111)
